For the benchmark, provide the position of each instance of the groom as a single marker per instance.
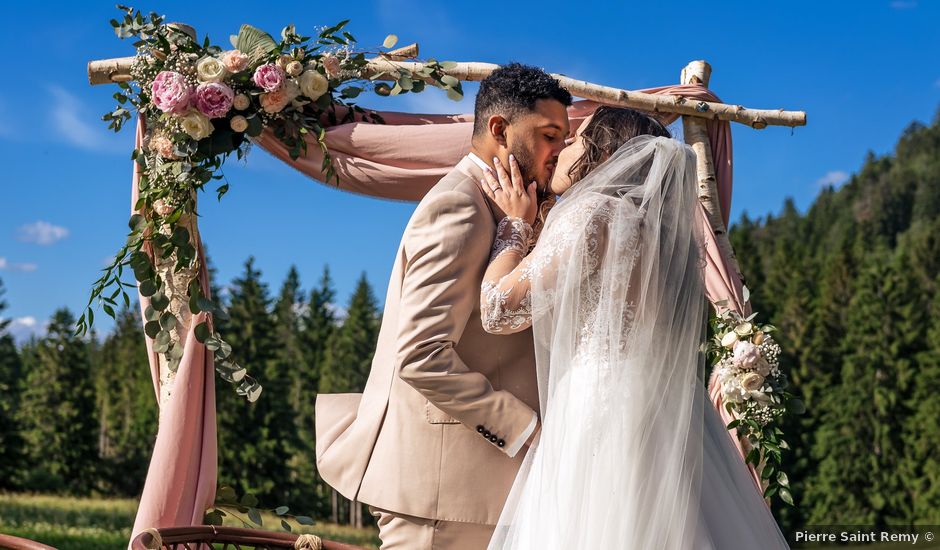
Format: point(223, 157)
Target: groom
point(435, 440)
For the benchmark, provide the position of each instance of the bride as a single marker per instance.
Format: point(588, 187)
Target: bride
point(628, 456)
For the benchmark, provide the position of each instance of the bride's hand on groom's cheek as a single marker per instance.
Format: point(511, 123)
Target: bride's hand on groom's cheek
point(508, 192)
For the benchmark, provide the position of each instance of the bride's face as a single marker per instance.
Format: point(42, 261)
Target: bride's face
point(561, 180)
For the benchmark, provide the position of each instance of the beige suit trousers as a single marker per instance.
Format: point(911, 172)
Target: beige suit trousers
point(404, 532)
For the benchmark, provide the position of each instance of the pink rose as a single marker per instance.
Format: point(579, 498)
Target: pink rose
point(274, 102)
point(746, 354)
point(331, 65)
point(214, 99)
point(269, 77)
point(162, 208)
point(171, 92)
point(235, 61)
point(162, 146)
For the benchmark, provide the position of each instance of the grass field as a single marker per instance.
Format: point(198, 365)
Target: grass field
point(69, 523)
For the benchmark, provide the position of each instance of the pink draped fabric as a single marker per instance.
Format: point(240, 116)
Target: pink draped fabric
point(401, 159)
point(181, 479)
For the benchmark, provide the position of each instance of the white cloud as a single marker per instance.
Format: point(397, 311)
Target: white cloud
point(834, 178)
point(70, 120)
point(7, 266)
point(23, 328)
point(41, 232)
point(903, 4)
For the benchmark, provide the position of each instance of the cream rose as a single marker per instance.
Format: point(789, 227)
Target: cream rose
point(294, 68)
point(210, 69)
point(729, 339)
point(752, 381)
point(241, 102)
point(196, 125)
point(239, 123)
point(313, 84)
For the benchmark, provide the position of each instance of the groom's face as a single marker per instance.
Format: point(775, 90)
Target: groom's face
point(536, 138)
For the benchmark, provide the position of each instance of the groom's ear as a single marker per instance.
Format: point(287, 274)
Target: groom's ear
point(497, 129)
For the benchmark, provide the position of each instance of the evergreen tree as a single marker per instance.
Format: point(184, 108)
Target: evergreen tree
point(276, 413)
point(245, 455)
point(921, 465)
point(318, 324)
point(859, 444)
point(347, 363)
point(127, 408)
point(349, 356)
point(11, 445)
point(57, 412)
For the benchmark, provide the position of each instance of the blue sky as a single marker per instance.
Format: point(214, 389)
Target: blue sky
point(862, 71)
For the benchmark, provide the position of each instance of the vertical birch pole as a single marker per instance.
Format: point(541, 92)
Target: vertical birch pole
point(696, 136)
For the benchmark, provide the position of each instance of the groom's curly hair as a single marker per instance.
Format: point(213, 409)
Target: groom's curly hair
point(512, 90)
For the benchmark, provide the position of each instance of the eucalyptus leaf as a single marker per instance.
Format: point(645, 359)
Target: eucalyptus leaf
point(159, 301)
point(255, 516)
point(304, 520)
point(152, 328)
point(249, 500)
point(168, 321)
point(201, 331)
point(286, 526)
point(226, 495)
point(281, 510)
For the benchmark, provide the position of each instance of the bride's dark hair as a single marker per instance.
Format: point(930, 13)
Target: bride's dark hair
point(610, 128)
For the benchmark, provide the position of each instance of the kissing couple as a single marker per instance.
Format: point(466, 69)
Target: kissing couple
point(537, 381)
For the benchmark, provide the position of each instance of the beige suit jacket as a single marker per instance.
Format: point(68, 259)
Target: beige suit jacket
point(415, 441)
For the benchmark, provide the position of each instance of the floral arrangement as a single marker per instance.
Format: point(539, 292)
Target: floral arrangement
point(199, 104)
point(746, 361)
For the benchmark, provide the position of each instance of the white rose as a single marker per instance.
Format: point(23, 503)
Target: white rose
point(239, 123)
point(294, 68)
point(752, 381)
point(196, 124)
point(241, 102)
point(313, 84)
point(209, 69)
point(729, 339)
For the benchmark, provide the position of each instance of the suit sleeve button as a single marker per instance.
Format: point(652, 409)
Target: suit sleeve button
point(480, 429)
point(487, 434)
point(501, 443)
point(493, 438)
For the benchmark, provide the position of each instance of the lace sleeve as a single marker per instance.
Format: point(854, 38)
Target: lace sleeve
point(505, 295)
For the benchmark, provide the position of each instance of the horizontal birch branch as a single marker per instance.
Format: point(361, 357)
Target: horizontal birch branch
point(108, 71)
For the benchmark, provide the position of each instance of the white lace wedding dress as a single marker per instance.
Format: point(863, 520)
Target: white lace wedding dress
point(629, 454)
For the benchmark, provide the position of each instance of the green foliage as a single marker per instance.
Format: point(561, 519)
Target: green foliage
point(852, 285)
point(11, 444)
point(57, 411)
